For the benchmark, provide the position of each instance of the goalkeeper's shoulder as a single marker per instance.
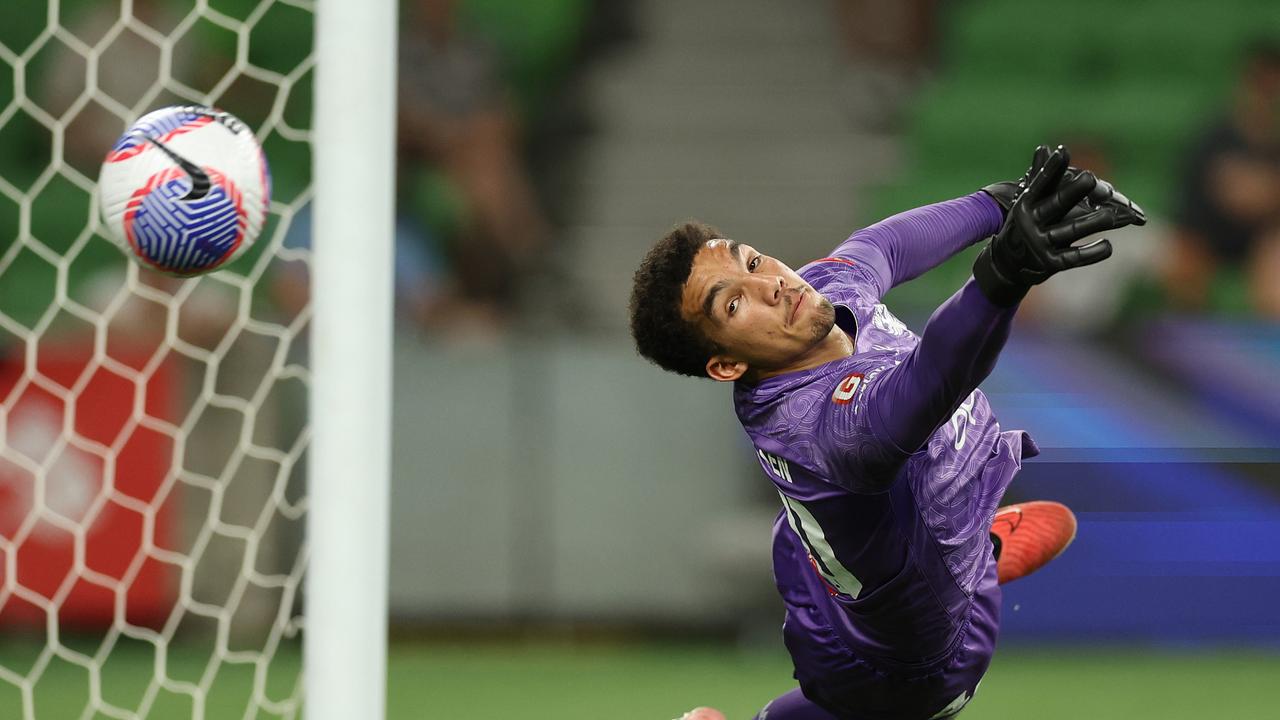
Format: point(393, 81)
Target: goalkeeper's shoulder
point(847, 276)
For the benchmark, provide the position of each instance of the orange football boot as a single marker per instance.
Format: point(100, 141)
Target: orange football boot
point(1028, 535)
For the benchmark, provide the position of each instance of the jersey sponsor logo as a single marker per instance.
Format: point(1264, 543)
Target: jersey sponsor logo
point(775, 465)
point(843, 394)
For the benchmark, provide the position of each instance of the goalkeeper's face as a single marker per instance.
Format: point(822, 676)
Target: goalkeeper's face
point(764, 317)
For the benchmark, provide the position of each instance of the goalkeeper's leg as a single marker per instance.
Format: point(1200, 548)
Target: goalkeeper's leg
point(791, 706)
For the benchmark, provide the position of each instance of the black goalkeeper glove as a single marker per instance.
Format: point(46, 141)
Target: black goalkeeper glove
point(1102, 195)
point(1036, 239)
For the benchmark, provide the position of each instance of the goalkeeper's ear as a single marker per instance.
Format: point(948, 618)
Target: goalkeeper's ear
point(725, 369)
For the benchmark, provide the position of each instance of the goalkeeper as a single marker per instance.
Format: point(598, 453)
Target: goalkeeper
point(889, 462)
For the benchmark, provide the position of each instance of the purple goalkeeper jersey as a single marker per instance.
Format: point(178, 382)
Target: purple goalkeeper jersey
point(890, 465)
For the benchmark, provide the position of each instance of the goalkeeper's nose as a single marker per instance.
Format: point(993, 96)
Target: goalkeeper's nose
point(772, 288)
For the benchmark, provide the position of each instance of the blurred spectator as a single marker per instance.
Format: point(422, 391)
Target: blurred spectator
point(128, 71)
point(1094, 302)
point(888, 48)
point(1230, 204)
point(455, 115)
point(426, 297)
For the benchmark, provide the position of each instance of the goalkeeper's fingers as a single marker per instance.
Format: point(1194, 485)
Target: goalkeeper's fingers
point(1074, 257)
point(1038, 159)
point(1047, 180)
point(1069, 192)
point(1105, 194)
point(1064, 234)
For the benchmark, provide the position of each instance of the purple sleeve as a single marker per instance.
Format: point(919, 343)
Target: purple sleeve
point(957, 350)
point(898, 408)
point(908, 244)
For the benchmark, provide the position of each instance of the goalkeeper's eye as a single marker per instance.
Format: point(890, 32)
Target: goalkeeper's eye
point(733, 306)
point(755, 263)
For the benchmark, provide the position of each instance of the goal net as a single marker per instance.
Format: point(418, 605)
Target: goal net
point(155, 434)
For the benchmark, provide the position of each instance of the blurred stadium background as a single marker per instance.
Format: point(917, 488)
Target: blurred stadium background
point(575, 534)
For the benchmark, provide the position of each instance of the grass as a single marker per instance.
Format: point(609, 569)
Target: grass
point(657, 682)
point(625, 683)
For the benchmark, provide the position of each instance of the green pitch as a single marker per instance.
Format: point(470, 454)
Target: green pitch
point(659, 683)
point(492, 681)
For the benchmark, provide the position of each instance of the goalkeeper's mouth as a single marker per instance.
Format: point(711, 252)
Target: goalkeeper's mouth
point(795, 308)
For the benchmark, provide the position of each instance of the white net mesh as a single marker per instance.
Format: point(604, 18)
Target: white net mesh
point(151, 479)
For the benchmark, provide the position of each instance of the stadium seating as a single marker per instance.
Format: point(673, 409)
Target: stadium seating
point(536, 41)
point(1141, 81)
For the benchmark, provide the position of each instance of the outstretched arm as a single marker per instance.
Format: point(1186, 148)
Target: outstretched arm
point(901, 408)
point(908, 244)
point(957, 351)
point(879, 419)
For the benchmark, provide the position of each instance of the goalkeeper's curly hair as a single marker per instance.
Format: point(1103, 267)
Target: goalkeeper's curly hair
point(661, 333)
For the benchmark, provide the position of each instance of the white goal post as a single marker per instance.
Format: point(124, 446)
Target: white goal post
point(355, 129)
point(195, 473)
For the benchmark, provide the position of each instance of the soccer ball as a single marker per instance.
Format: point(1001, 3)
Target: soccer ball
point(185, 190)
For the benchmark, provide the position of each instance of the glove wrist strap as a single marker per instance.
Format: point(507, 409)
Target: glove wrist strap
point(1005, 194)
point(999, 289)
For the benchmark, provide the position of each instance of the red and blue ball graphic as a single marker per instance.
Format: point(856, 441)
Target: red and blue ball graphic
point(178, 234)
